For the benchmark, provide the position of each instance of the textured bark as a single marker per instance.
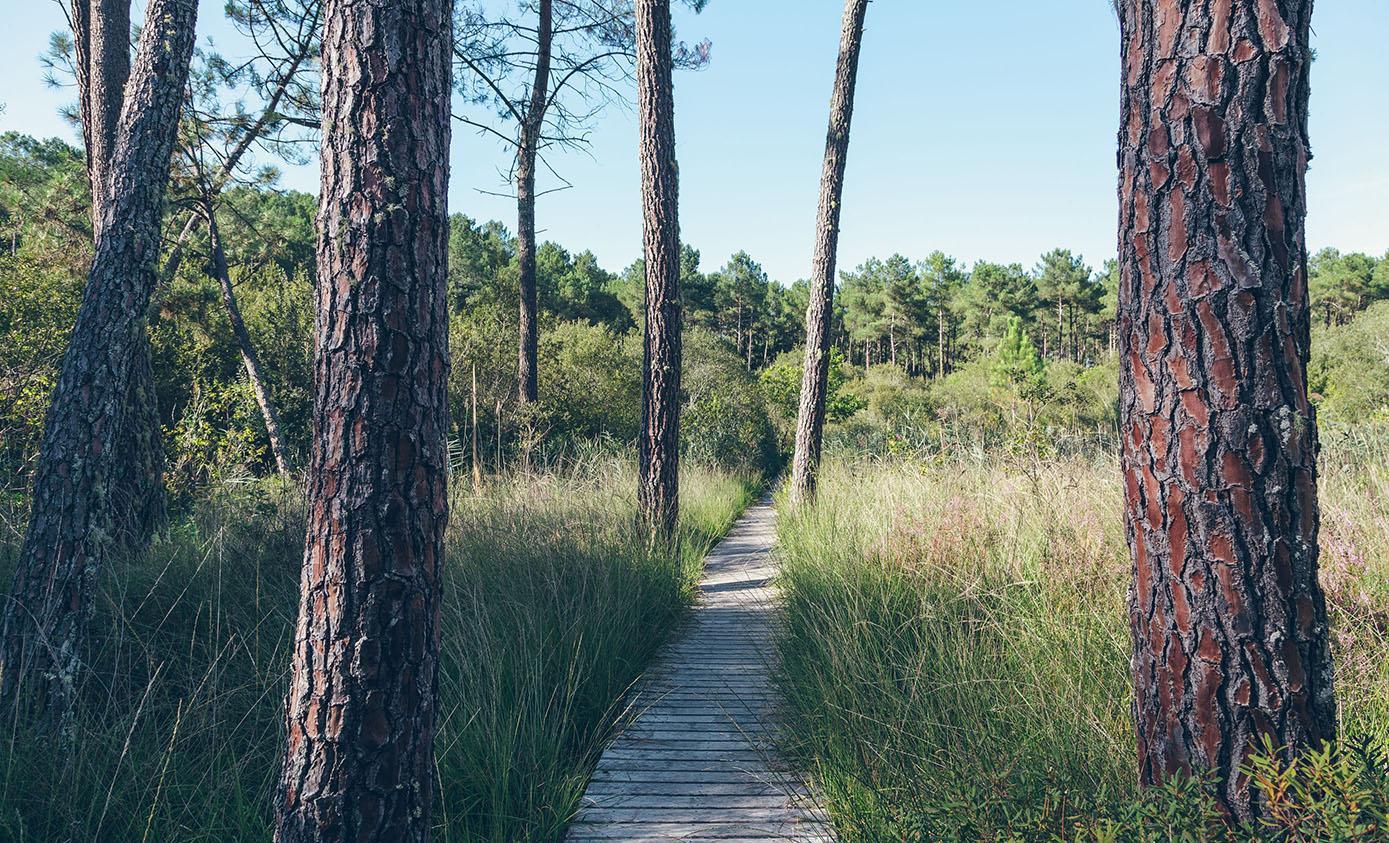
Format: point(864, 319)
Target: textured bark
point(363, 697)
point(658, 445)
point(528, 147)
point(72, 526)
point(101, 41)
point(249, 359)
point(810, 419)
point(1219, 439)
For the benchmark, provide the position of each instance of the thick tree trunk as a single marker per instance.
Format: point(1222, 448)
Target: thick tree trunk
point(810, 419)
point(73, 525)
point(249, 359)
point(101, 41)
point(528, 384)
point(659, 442)
point(363, 697)
point(1219, 439)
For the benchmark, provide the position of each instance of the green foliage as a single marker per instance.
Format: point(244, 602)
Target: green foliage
point(1016, 362)
point(37, 308)
point(1349, 372)
point(590, 385)
point(1342, 285)
point(724, 419)
point(781, 384)
point(553, 604)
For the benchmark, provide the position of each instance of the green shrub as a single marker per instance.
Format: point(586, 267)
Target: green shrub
point(724, 419)
point(1349, 372)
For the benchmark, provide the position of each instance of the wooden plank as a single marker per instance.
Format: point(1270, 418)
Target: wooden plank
point(696, 760)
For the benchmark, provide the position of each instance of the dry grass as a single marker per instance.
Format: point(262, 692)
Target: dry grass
point(957, 647)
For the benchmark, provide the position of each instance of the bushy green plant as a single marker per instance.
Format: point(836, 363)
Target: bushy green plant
point(590, 382)
point(724, 419)
point(1016, 361)
point(1349, 372)
point(781, 384)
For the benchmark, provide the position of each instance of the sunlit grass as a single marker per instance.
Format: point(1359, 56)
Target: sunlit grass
point(956, 654)
point(553, 604)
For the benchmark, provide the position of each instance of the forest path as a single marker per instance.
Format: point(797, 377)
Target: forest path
point(698, 761)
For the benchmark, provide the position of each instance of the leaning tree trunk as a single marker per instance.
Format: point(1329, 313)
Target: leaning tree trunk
point(1219, 439)
point(810, 420)
point(72, 528)
point(101, 42)
point(528, 148)
point(363, 696)
point(658, 448)
point(249, 359)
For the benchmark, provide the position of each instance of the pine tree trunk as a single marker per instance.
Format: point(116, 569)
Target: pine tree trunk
point(363, 696)
point(659, 444)
point(1219, 439)
point(940, 343)
point(73, 526)
point(810, 416)
point(528, 383)
point(101, 41)
point(250, 361)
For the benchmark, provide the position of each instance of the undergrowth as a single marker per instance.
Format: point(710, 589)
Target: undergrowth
point(956, 655)
point(552, 606)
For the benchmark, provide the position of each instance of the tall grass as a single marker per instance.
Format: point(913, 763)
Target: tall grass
point(956, 651)
point(553, 604)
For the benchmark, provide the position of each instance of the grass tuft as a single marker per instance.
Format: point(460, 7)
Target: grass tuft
point(553, 604)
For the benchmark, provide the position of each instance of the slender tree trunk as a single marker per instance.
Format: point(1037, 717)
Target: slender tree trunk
point(810, 417)
point(249, 359)
point(101, 41)
point(658, 487)
point(477, 457)
point(1219, 439)
point(940, 343)
point(1060, 330)
point(528, 388)
point(363, 697)
point(73, 524)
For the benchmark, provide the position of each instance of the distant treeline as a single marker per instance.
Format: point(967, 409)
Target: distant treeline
point(927, 318)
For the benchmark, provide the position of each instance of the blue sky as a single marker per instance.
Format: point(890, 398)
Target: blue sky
point(985, 129)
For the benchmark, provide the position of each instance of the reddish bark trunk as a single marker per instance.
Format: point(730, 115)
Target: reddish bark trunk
point(363, 697)
point(1219, 439)
point(73, 525)
point(810, 420)
point(659, 442)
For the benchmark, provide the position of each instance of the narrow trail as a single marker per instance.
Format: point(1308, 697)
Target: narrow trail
point(698, 761)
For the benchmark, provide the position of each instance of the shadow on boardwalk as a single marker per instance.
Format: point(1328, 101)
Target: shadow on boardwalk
point(698, 762)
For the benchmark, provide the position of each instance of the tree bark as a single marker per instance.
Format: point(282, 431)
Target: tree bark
point(1219, 439)
point(249, 359)
point(658, 445)
point(363, 697)
point(528, 384)
point(74, 526)
point(810, 418)
point(101, 41)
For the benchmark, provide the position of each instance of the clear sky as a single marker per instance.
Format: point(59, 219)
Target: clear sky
point(982, 128)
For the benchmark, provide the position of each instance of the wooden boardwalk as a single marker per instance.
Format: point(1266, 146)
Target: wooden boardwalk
point(697, 761)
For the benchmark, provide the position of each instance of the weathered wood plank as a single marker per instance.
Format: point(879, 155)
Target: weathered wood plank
point(697, 759)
